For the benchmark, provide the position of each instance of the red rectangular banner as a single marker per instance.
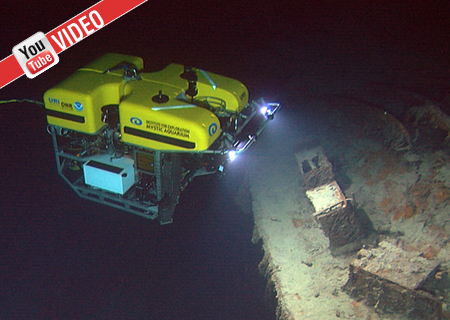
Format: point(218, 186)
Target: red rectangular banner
point(73, 31)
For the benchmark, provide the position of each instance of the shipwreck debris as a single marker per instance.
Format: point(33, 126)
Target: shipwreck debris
point(333, 211)
point(374, 119)
point(431, 114)
point(390, 279)
point(315, 167)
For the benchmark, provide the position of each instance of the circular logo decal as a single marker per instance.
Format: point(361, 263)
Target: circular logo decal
point(212, 129)
point(136, 121)
point(78, 106)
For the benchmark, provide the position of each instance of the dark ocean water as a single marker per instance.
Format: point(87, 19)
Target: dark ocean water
point(62, 257)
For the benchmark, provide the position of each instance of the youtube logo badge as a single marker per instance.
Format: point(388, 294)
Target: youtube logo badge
point(35, 55)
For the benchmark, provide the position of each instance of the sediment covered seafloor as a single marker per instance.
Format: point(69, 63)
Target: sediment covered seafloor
point(388, 145)
point(298, 264)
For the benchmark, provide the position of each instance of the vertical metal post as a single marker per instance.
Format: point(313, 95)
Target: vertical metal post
point(55, 150)
point(158, 175)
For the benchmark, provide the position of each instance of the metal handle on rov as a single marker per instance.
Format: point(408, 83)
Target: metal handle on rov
point(130, 71)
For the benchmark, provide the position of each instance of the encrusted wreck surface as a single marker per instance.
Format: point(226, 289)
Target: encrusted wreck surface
point(315, 167)
point(387, 148)
point(390, 280)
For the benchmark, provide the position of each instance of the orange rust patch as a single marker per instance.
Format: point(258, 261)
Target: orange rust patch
point(430, 252)
point(386, 202)
point(407, 212)
point(379, 165)
point(440, 192)
point(297, 223)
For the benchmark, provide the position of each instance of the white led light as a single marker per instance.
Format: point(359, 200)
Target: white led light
point(232, 155)
point(263, 110)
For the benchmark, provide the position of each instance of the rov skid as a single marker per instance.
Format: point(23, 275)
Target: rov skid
point(134, 140)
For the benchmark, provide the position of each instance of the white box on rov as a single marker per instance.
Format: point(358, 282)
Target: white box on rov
point(116, 175)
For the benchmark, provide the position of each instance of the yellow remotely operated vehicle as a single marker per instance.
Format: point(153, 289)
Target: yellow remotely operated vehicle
point(134, 140)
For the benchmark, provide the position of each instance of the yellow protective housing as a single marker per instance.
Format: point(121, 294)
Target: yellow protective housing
point(76, 102)
point(171, 122)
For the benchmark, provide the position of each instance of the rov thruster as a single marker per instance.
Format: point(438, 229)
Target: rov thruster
point(134, 140)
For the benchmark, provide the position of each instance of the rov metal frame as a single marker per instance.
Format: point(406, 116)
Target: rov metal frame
point(146, 210)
